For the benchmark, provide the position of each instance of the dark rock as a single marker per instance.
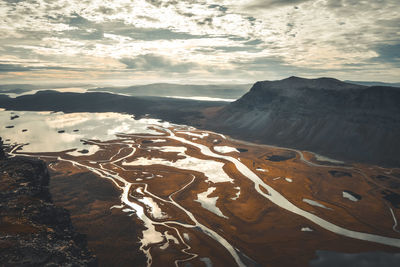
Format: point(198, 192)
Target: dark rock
point(392, 197)
point(339, 173)
point(24, 130)
point(35, 232)
point(10, 126)
point(76, 130)
point(277, 158)
point(61, 131)
point(341, 120)
point(83, 151)
point(2, 154)
point(14, 117)
point(381, 177)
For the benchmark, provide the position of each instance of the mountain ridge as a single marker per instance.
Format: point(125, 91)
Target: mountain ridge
point(295, 82)
point(333, 118)
point(324, 115)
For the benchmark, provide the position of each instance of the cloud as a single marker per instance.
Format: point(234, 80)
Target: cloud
point(151, 62)
point(13, 68)
point(205, 37)
point(273, 63)
point(219, 7)
point(230, 49)
point(22, 68)
point(388, 53)
point(147, 34)
point(273, 3)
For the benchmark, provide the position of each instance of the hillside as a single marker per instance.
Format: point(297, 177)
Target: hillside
point(327, 116)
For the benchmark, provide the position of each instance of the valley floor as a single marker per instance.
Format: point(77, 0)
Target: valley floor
point(181, 195)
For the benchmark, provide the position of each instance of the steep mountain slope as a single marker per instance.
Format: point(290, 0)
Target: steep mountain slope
point(374, 83)
point(342, 120)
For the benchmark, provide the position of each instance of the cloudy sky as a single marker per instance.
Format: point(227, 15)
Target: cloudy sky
point(225, 41)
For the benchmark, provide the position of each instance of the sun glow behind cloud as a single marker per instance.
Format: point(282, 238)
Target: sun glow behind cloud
point(140, 41)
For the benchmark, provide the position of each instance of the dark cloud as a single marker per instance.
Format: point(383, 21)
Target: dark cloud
point(388, 23)
point(148, 34)
point(13, 68)
point(13, 1)
point(254, 42)
point(156, 3)
point(279, 66)
point(76, 20)
point(274, 64)
point(206, 21)
point(106, 10)
point(148, 18)
point(219, 7)
point(89, 30)
point(237, 48)
point(388, 54)
point(151, 62)
point(185, 14)
point(95, 34)
point(349, 8)
point(84, 29)
point(18, 52)
point(264, 63)
point(252, 20)
point(236, 38)
point(274, 3)
point(334, 3)
point(21, 68)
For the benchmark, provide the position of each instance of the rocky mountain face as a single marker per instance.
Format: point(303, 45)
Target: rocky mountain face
point(2, 154)
point(33, 231)
point(342, 120)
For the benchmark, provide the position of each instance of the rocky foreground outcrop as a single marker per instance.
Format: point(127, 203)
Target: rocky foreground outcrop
point(33, 231)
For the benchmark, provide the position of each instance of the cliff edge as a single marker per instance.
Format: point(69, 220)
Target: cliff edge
point(33, 231)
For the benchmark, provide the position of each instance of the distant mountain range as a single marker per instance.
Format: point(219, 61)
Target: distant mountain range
point(21, 88)
point(224, 91)
point(334, 118)
point(342, 120)
point(170, 109)
point(232, 91)
point(374, 83)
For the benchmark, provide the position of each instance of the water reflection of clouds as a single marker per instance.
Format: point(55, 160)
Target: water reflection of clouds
point(42, 129)
point(123, 128)
point(66, 120)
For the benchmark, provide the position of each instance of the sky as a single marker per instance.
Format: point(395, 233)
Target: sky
point(123, 42)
